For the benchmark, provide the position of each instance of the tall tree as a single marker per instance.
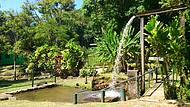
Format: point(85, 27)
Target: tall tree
point(172, 3)
point(17, 31)
point(102, 12)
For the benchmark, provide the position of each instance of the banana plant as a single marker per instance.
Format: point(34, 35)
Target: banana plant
point(167, 41)
point(157, 36)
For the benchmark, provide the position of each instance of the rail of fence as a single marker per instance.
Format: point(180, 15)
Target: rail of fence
point(79, 97)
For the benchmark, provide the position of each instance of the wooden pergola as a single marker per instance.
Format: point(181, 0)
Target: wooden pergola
point(141, 16)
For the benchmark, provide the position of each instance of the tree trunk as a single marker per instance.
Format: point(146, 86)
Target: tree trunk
point(14, 59)
point(32, 77)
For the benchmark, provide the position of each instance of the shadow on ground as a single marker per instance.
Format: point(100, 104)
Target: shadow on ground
point(7, 83)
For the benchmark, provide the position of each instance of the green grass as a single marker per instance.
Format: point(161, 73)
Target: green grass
point(7, 72)
point(7, 84)
point(109, 75)
point(77, 80)
point(10, 85)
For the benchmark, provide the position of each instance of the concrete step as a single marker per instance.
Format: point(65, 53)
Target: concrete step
point(150, 91)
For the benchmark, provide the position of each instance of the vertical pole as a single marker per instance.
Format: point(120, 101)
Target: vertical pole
point(137, 80)
point(149, 78)
point(55, 80)
point(32, 78)
point(86, 80)
point(156, 74)
point(14, 58)
point(142, 54)
point(103, 96)
point(75, 98)
point(182, 25)
point(123, 95)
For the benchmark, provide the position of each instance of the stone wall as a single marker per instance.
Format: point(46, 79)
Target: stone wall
point(132, 84)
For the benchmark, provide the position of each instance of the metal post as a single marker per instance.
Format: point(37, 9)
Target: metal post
point(103, 96)
point(75, 98)
point(142, 54)
point(123, 95)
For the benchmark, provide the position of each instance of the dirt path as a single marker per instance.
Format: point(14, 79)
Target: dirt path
point(129, 103)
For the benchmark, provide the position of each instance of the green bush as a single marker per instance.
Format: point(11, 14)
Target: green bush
point(87, 72)
point(188, 95)
point(170, 91)
point(184, 91)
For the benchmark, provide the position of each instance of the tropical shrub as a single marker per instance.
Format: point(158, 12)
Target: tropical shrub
point(168, 41)
point(42, 60)
point(87, 72)
point(73, 57)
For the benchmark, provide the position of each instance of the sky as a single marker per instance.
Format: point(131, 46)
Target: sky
point(16, 4)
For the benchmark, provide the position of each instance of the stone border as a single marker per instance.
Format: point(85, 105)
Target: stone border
point(9, 95)
point(4, 96)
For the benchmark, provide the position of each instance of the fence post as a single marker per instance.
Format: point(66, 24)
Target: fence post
point(137, 80)
point(156, 74)
point(103, 96)
point(32, 78)
point(149, 70)
point(86, 80)
point(123, 95)
point(55, 78)
point(75, 98)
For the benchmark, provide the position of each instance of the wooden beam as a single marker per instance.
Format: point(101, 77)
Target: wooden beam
point(142, 54)
point(160, 11)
